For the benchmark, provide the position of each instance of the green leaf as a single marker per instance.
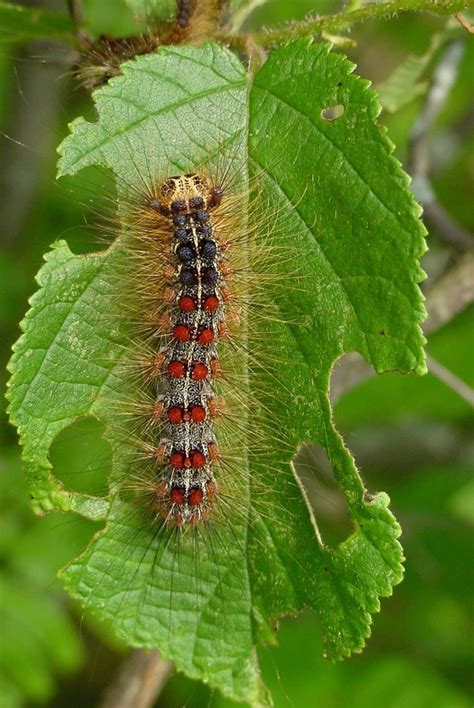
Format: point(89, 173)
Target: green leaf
point(38, 637)
point(23, 24)
point(462, 503)
point(158, 9)
point(350, 226)
point(404, 84)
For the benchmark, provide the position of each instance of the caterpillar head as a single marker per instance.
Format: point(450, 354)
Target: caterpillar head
point(188, 193)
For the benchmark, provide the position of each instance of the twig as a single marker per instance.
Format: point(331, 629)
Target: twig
point(450, 379)
point(435, 215)
point(451, 294)
point(76, 12)
point(139, 681)
point(437, 218)
point(449, 297)
point(313, 26)
point(77, 16)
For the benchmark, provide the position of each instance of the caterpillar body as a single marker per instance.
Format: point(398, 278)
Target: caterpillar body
point(189, 361)
point(191, 260)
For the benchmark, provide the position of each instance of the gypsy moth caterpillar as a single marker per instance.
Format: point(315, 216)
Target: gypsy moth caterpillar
point(102, 58)
point(196, 264)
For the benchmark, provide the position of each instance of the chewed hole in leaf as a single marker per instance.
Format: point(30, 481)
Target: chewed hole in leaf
point(329, 506)
point(347, 372)
point(81, 458)
point(333, 112)
point(91, 202)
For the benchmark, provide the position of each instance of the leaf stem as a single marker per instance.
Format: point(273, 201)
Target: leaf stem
point(343, 20)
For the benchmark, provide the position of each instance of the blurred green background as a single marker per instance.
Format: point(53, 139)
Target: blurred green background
point(411, 437)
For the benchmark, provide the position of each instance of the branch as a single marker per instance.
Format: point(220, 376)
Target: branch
point(451, 294)
point(419, 162)
point(76, 13)
point(343, 20)
point(139, 681)
point(450, 379)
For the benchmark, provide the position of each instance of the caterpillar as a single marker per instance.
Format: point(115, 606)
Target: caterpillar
point(189, 361)
point(195, 254)
point(102, 58)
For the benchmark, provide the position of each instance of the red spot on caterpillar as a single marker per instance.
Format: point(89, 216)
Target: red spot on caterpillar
point(175, 414)
point(199, 371)
point(198, 414)
point(176, 369)
point(177, 495)
point(186, 304)
point(195, 496)
point(182, 333)
point(176, 459)
point(198, 459)
point(211, 303)
point(206, 336)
